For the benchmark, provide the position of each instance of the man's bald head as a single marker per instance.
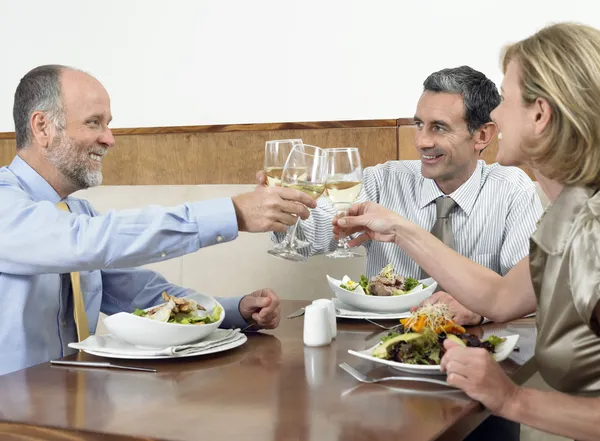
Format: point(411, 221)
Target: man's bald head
point(41, 90)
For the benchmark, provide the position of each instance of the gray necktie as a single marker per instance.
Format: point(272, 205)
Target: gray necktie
point(442, 229)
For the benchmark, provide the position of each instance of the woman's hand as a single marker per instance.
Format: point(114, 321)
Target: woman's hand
point(480, 376)
point(371, 219)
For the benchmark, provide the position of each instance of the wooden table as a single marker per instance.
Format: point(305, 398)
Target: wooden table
point(271, 388)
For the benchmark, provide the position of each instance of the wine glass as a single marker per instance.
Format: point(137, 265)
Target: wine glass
point(344, 183)
point(276, 153)
point(305, 170)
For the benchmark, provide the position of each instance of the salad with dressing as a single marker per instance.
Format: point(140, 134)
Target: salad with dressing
point(181, 311)
point(419, 339)
point(386, 283)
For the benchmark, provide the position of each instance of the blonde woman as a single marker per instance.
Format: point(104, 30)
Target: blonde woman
point(549, 119)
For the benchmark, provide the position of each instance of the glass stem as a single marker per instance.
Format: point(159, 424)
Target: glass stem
point(290, 238)
point(342, 244)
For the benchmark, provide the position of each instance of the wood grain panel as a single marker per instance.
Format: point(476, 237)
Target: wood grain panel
point(231, 154)
point(225, 158)
point(7, 151)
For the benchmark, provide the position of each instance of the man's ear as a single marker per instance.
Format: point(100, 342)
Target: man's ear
point(42, 129)
point(484, 135)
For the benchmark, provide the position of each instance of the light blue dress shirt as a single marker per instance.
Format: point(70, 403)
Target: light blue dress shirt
point(40, 245)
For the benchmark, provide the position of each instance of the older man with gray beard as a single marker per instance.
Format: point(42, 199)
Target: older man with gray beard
point(61, 263)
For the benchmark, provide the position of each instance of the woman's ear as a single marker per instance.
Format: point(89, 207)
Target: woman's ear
point(542, 115)
point(484, 135)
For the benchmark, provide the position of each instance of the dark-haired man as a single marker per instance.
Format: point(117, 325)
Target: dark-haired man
point(484, 212)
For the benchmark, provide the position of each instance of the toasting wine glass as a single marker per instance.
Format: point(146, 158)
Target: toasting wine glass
point(276, 153)
point(344, 183)
point(305, 170)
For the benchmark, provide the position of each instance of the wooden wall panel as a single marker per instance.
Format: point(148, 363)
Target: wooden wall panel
point(223, 154)
point(7, 151)
point(231, 154)
point(225, 158)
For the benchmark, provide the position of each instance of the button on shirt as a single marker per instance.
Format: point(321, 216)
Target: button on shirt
point(498, 208)
point(40, 245)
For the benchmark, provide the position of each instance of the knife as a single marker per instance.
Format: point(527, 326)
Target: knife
point(99, 364)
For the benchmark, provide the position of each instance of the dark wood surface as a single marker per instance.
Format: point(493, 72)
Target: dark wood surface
point(271, 388)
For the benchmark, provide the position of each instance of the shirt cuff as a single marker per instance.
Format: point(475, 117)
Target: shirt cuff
point(233, 318)
point(216, 219)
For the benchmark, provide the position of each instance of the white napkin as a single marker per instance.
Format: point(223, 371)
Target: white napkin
point(110, 345)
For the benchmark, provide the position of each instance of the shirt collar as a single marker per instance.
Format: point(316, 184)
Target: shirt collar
point(36, 186)
point(557, 221)
point(464, 196)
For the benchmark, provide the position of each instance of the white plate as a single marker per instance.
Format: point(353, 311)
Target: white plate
point(349, 312)
point(226, 347)
point(391, 304)
point(503, 351)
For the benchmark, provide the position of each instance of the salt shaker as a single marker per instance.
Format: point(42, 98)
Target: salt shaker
point(317, 328)
point(331, 313)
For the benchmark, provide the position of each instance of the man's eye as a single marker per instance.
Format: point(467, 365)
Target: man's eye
point(419, 125)
point(438, 129)
point(94, 122)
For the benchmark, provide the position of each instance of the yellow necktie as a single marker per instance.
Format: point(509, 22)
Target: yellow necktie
point(78, 306)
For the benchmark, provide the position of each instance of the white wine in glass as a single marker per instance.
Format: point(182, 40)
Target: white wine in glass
point(305, 170)
point(344, 184)
point(276, 153)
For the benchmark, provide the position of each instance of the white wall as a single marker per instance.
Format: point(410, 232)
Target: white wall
point(183, 62)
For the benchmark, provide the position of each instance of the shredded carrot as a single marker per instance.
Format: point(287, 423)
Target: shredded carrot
point(435, 317)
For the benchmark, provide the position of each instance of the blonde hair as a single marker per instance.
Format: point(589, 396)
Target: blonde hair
point(561, 64)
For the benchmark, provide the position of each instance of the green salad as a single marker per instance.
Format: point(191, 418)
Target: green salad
point(386, 283)
point(181, 311)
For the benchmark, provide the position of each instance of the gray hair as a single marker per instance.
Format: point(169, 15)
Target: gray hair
point(38, 91)
point(480, 94)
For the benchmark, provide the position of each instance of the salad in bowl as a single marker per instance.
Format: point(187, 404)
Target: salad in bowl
point(386, 292)
point(177, 321)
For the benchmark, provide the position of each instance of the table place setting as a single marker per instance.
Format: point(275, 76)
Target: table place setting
point(109, 346)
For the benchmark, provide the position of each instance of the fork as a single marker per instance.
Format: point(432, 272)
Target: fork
point(366, 379)
point(247, 328)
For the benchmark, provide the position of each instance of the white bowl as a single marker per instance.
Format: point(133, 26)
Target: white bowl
point(364, 302)
point(143, 332)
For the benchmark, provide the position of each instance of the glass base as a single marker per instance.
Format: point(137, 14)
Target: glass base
point(299, 245)
point(343, 254)
point(287, 254)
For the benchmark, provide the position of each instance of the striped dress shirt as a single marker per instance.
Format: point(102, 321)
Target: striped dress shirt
point(496, 213)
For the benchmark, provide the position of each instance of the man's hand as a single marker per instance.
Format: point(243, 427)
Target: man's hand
point(271, 208)
point(261, 179)
point(460, 314)
point(261, 307)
